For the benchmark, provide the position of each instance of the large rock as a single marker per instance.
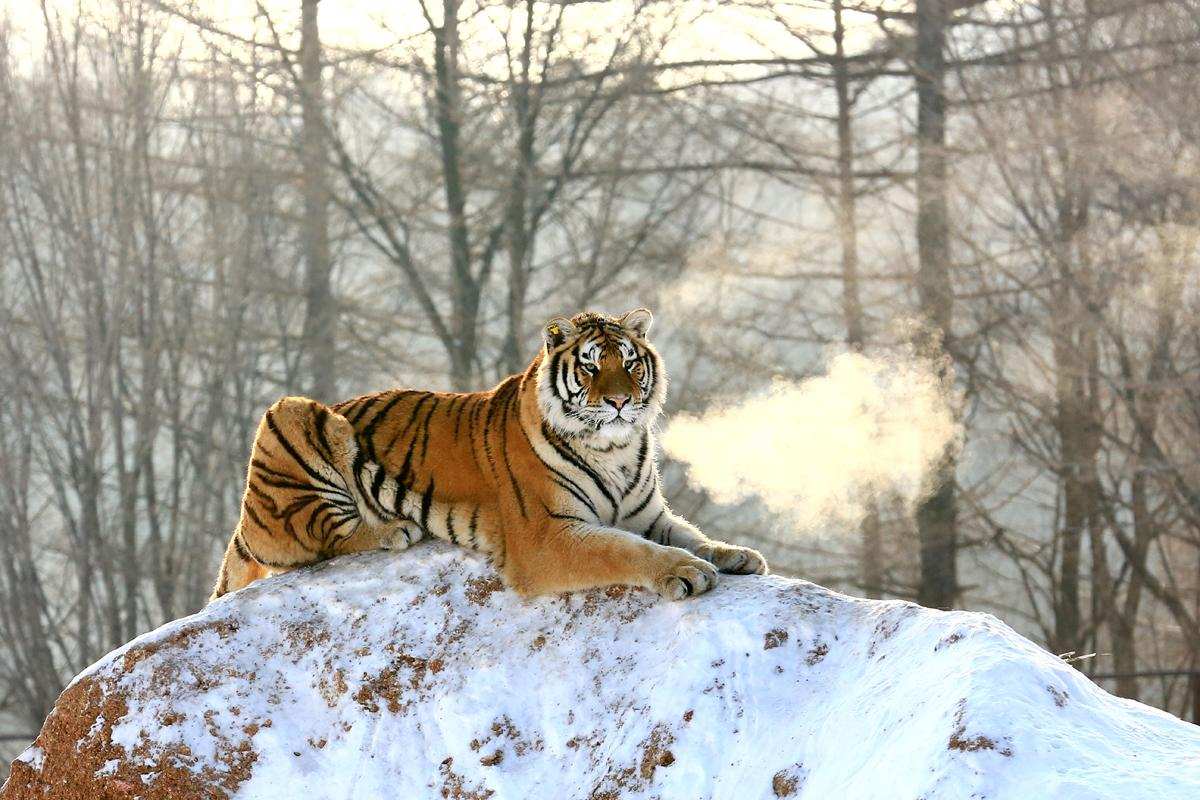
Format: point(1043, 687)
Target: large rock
point(409, 675)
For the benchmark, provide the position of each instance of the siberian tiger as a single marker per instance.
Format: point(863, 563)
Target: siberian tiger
point(552, 474)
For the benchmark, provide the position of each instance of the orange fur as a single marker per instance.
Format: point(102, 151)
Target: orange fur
point(484, 470)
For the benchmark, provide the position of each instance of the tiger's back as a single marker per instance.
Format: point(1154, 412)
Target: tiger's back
point(447, 462)
point(378, 471)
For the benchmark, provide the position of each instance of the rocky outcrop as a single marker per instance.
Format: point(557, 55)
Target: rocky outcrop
point(417, 674)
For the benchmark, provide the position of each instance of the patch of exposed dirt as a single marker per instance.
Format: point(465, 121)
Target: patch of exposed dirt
point(139, 653)
point(971, 744)
point(884, 630)
point(589, 743)
point(252, 728)
point(398, 685)
point(776, 637)
point(788, 780)
point(655, 754)
point(305, 638)
point(817, 654)
point(480, 590)
point(332, 686)
point(81, 762)
point(1060, 696)
point(957, 636)
point(806, 598)
point(504, 731)
point(453, 632)
point(454, 786)
point(597, 600)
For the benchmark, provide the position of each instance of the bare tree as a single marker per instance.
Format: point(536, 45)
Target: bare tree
point(320, 311)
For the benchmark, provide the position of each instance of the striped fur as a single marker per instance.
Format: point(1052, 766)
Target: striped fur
point(552, 474)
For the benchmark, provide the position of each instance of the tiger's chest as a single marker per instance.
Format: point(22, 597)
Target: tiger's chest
point(598, 485)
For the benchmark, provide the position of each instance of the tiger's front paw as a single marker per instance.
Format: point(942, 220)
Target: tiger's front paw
point(733, 559)
point(401, 535)
point(685, 575)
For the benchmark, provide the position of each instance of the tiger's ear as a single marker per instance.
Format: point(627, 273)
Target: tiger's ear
point(638, 321)
point(556, 331)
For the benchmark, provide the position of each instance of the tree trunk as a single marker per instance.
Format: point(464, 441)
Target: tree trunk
point(320, 316)
point(937, 514)
point(871, 556)
point(1074, 355)
point(517, 212)
point(465, 296)
point(1145, 403)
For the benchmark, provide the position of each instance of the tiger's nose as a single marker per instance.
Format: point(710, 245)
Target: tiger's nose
point(617, 401)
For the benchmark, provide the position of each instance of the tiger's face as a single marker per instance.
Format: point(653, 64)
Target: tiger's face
point(600, 377)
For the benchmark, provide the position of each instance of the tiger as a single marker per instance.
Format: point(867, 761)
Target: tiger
point(552, 475)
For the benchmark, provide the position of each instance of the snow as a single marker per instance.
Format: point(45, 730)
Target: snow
point(414, 675)
point(33, 756)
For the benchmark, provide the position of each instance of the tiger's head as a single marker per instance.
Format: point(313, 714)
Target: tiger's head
point(600, 376)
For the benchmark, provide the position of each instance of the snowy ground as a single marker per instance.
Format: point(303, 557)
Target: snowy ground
point(414, 675)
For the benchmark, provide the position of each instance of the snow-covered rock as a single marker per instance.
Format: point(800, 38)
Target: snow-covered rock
point(412, 675)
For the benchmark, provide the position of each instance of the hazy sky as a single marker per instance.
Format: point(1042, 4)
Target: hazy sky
point(713, 30)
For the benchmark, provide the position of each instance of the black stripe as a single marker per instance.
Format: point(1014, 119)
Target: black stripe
point(250, 512)
point(240, 548)
point(571, 456)
point(474, 543)
point(650, 528)
point(412, 416)
point(246, 554)
point(426, 503)
point(556, 515)
point(364, 406)
point(462, 406)
point(512, 478)
point(485, 436)
point(316, 476)
point(450, 525)
point(367, 434)
point(642, 505)
point(403, 477)
point(283, 483)
point(285, 515)
point(321, 445)
point(474, 415)
point(261, 465)
point(343, 500)
point(356, 471)
point(425, 432)
point(377, 484)
point(641, 462)
point(340, 519)
point(554, 368)
point(575, 492)
point(570, 485)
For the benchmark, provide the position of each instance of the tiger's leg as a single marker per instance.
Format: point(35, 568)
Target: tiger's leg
point(660, 524)
point(397, 534)
point(300, 503)
point(584, 556)
point(238, 569)
point(676, 531)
